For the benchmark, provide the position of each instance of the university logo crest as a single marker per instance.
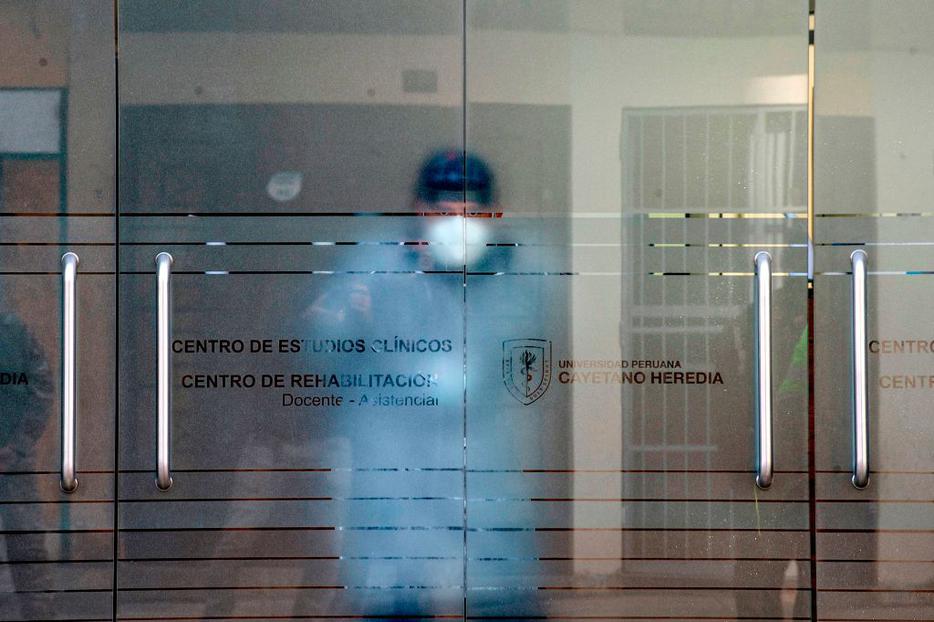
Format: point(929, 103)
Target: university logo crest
point(527, 368)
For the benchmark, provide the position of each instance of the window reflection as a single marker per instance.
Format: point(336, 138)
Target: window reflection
point(27, 406)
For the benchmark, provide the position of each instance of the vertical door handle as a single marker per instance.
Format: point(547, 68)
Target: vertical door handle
point(859, 372)
point(69, 372)
point(164, 371)
point(763, 294)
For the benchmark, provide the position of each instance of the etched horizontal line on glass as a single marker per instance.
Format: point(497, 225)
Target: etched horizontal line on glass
point(57, 214)
point(453, 558)
point(875, 500)
point(627, 588)
point(298, 214)
point(875, 561)
point(876, 471)
point(643, 500)
point(896, 531)
point(89, 590)
point(86, 472)
point(223, 529)
point(636, 558)
point(56, 502)
point(458, 528)
point(557, 273)
point(306, 470)
point(216, 243)
point(725, 215)
point(633, 529)
point(351, 243)
point(883, 244)
point(459, 617)
point(749, 274)
point(290, 528)
point(330, 243)
point(469, 500)
point(612, 470)
point(530, 471)
point(642, 618)
point(881, 273)
point(14, 532)
point(802, 214)
point(441, 616)
point(426, 272)
point(720, 245)
point(877, 215)
point(46, 273)
point(290, 558)
point(58, 244)
point(532, 588)
point(876, 590)
point(285, 272)
point(194, 588)
point(19, 562)
point(170, 499)
point(414, 616)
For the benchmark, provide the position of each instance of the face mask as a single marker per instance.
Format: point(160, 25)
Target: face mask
point(447, 235)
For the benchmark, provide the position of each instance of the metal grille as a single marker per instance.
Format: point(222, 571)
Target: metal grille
point(697, 182)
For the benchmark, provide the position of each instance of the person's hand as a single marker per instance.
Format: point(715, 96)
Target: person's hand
point(360, 299)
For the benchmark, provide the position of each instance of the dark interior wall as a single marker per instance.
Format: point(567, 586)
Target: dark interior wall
point(428, 17)
point(352, 158)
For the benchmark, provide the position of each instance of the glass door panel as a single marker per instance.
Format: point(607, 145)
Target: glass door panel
point(56, 368)
point(644, 153)
point(364, 489)
point(296, 166)
point(875, 546)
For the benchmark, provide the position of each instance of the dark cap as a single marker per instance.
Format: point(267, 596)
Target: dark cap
point(455, 176)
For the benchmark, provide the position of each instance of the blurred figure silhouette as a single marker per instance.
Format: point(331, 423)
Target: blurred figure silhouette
point(25, 408)
point(422, 297)
point(784, 582)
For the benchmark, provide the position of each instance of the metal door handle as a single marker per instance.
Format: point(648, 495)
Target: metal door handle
point(859, 372)
point(164, 371)
point(69, 372)
point(763, 295)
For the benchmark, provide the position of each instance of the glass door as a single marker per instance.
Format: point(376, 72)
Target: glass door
point(57, 343)
point(645, 153)
point(56, 311)
point(873, 229)
point(291, 310)
point(465, 309)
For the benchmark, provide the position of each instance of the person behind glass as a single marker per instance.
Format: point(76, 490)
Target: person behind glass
point(454, 195)
point(457, 197)
point(418, 294)
point(459, 185)
point(25, 408)
point(783, 592)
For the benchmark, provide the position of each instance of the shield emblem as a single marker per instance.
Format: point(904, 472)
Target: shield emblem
point(527, 368)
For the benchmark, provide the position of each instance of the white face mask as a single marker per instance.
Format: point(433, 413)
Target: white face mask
point(447, 236)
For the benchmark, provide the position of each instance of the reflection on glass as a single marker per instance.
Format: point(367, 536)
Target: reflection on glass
point(873, 185)
point(668, 146)
point(305, 168)
point(56, 152)
point(27, 405)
